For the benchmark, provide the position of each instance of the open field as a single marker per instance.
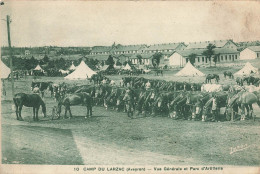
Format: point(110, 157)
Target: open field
point(110, 137)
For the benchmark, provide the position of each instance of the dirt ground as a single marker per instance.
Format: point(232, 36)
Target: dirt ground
point(110, 137)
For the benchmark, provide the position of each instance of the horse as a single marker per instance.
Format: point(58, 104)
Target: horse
point(239, 81)
point(75, 99)
point(28, 100)
point(244, 100)
point(196, 102)
point(209, 77)
point(176, 105)
point(220, 99)
point(229, 74)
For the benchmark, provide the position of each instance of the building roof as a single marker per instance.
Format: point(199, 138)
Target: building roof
point(186, 53)
point(101, 48)
point(98, 57)
point(199, 45)
point(199, 52)
point(144, 56)
point(248, 44)
point(255, 48)
point(166, 46)
point(129, 47)
point(225, 51)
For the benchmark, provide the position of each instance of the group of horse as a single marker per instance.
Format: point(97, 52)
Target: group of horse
point(177, 104)
point(140, 83)
point(167, 98)
point(250, 80)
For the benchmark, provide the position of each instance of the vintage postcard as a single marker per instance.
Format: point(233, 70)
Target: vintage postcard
point(130, 87)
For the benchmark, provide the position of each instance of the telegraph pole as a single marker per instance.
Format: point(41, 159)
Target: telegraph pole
point(10, 52)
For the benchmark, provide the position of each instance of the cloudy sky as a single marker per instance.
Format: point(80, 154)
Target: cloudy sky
point(82, 23)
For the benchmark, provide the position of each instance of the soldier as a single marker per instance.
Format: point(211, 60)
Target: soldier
point(148, 85)
point(36, 89)
point(214, 109)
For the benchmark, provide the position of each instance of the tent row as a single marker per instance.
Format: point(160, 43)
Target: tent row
point(82, 71)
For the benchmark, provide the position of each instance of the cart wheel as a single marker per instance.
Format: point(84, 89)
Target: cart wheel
point(54, 113)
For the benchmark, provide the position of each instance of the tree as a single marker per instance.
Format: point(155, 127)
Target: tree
point(110, 60)
point(192, 58)
point(209, 52)
point(139, 57)
point(45, 59)
point(118, 63)
point(156, 59)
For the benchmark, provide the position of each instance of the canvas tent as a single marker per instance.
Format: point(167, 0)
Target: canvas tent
point(5, 71)
point(64, 71)
point(38, 68)
point(72, 67)
point(127, 67)
point(247, 70)
point(189, 70)
point(104, 68)
point(81, 72)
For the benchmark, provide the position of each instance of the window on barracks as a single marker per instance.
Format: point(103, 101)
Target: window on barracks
point(202, 59)
point(225, 57)
point(198, 59)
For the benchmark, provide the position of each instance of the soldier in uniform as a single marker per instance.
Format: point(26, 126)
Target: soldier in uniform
point(214, 109)
point(148, 85)
point(36, 89)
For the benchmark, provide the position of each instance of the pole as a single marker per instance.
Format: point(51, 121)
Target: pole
point(10, 52)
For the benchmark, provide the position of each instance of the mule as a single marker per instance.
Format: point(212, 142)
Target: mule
point(75, 99)
point(28, 100)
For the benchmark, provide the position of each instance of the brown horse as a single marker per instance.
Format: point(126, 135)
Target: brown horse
point(75, 99)
point(28, 100)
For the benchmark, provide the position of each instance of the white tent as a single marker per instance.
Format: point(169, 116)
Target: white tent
point(247, 70)
point(189, 70)
point(72, 67)
point(127, 67)
point(38, 68)
point(81, 72)
point(5, 71)
point(104, 68)
point(64, 71)
point(117, 67)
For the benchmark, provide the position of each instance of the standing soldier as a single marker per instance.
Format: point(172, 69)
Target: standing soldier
point(36, 90)
point(3, 88)
point(148, 85)
point(214, 109)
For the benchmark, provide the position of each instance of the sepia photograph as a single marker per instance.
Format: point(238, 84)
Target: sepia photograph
point(130, 86)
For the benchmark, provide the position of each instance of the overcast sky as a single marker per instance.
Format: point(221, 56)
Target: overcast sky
point(80, 23)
